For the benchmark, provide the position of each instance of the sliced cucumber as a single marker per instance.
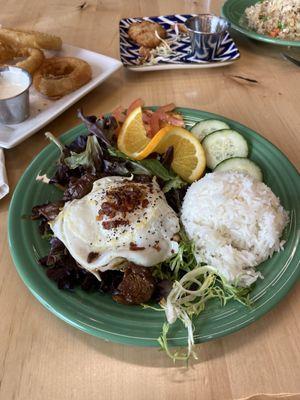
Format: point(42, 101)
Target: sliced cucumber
point(239, 164)
point(224, 144)
point(204, 128)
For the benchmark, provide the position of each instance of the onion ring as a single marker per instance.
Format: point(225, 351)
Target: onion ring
point(6, 52)
point(22, 38)
point(59, 76)
point(33, 57)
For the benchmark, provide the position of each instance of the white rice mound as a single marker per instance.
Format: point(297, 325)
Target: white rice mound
point(235, 222)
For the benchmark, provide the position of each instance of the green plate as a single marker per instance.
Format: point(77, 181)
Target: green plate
point(96, 313)
point(234, 11)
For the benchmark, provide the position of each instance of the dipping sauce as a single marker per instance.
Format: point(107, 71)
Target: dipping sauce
point(8, 89)
point(14, 94)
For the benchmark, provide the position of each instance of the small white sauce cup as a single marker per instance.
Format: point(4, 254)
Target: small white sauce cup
point(14, 110)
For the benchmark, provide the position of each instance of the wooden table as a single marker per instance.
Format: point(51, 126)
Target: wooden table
point(43, 358)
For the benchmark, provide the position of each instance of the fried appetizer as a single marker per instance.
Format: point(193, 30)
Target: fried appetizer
point(32, 58)
point(22, 38)
point(6, 52)
point(59, 76)
point(143, 33)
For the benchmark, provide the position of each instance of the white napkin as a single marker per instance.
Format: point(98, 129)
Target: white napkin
point(4, 188)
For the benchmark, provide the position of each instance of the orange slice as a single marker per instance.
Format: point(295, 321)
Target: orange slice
point(189, 160)
point(133, 138)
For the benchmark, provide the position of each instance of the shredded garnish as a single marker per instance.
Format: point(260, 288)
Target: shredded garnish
point(194, 285)
point(164, 50)
point(188, 298)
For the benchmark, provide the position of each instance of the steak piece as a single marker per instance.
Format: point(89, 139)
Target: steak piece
point(137, 286)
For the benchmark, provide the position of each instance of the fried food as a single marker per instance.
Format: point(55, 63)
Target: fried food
point(6, 52)
point(59, 76)
point(145, 53)
point(22, 38)
point(33, 58)
point(143, 33)
point(182, 28)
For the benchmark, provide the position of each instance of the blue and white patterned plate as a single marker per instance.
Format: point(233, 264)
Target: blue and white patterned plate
point(180, 45)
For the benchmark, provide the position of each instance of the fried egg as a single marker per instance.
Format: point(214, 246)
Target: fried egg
point(118, 220)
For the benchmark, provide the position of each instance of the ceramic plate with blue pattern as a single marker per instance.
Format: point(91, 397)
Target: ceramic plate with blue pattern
point(179, 54)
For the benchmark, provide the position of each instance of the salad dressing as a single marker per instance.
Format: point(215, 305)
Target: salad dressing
point(8, 90)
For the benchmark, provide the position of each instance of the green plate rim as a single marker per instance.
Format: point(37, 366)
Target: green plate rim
point(56, 308)
point(253, 34)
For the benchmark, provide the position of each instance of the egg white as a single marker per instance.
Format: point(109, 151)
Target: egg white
point(151, 228)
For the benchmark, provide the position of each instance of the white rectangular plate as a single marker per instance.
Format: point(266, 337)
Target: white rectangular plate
point(43, 110)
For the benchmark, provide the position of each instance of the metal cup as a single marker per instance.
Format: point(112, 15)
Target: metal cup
point(14, 110)
point(206, 33)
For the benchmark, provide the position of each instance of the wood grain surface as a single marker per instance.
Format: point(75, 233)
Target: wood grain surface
point(43, 358)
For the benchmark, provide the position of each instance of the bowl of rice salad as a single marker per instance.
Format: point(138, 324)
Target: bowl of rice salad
point(275, 18)
point(273, 21)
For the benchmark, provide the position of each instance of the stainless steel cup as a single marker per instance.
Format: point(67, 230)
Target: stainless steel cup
point(14, 110)
point(206, 33)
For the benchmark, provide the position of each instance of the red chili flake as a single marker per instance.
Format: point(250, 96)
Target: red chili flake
point(145, 203)
point(100, 216)
point(108, 209)
point(157, 247)
point(114, 223)
point(124, 199)
point(135, 247)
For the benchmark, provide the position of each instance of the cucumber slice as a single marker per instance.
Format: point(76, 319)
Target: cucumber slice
point(204, 128)
point(224, 144)
point(239, 164)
